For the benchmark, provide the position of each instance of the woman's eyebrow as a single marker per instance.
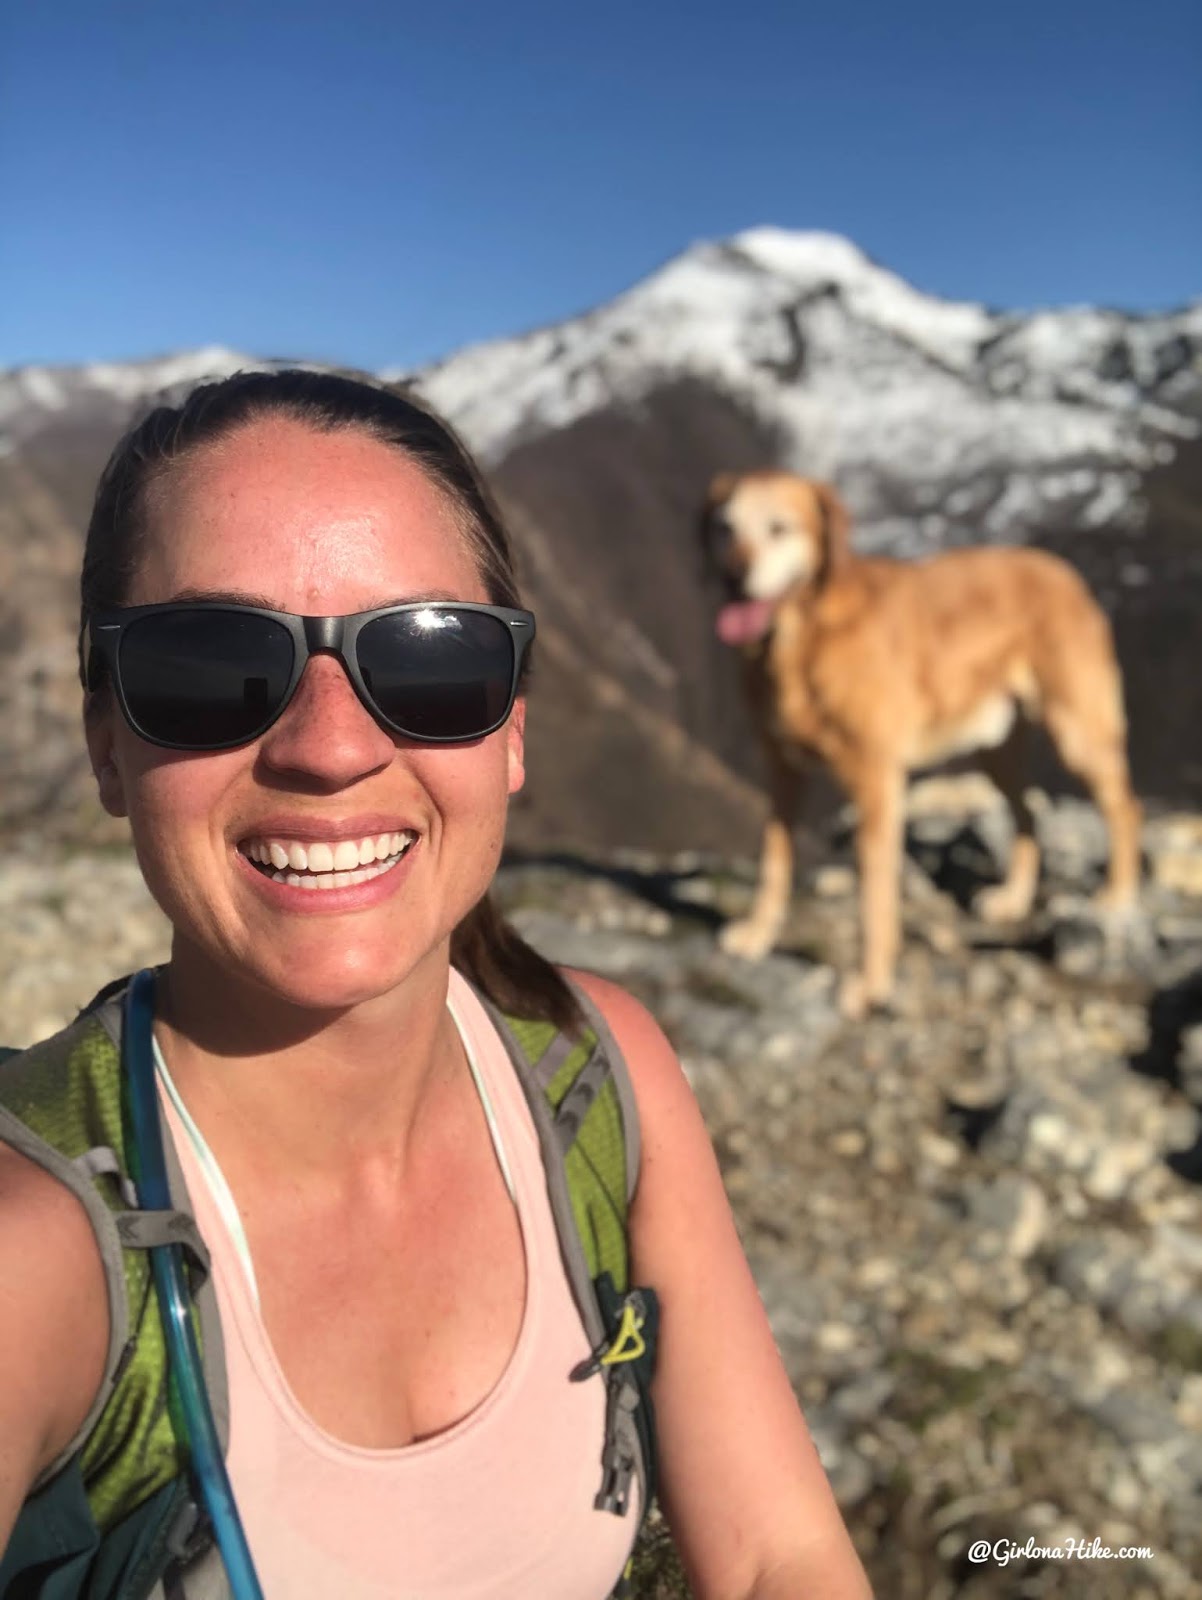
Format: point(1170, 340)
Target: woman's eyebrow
point(241, 597)
point(229, 597)
point(422, 597)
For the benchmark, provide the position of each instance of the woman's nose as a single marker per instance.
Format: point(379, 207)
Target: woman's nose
point(326, 732)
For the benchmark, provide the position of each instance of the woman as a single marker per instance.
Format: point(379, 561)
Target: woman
point(362, 1171)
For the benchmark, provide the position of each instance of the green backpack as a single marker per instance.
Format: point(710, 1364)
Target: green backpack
point(116, 1517)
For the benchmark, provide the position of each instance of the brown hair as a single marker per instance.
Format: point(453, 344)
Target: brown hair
point(484, 946)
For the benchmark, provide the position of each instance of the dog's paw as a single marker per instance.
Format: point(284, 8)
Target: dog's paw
point(748, 939)
point(857, 998)
point(1119, 907)
point(1129, 936)
point(1003, 902)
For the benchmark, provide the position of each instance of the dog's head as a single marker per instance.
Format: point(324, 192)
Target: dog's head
point(769, 534)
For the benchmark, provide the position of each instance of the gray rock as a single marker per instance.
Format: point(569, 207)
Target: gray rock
point(1007, 1216)
point(863, 1398)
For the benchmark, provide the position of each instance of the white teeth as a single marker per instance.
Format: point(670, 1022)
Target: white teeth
point(330, 866)
point(321, 858)
point(334, 880)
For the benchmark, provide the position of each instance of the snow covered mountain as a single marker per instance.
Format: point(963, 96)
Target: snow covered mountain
point(860, 377)
point(938, 420)
point(941, 423)
point(33, 398)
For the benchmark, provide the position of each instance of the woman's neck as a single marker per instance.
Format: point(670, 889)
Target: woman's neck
point(321, 1092)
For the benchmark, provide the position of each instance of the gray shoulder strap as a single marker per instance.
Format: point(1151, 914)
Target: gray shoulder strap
point(79, 1177)
point(623, 1452)
point(551, 1141)
point(79, 1181)
point(620, 1073)
point(570, 1246)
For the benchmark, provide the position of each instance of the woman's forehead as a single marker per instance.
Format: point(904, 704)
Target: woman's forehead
point(306, 515)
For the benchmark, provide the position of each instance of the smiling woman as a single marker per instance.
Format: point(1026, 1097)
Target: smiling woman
point(438, 1194)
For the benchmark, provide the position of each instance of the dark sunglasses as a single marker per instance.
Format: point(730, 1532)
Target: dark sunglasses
point(204, 675)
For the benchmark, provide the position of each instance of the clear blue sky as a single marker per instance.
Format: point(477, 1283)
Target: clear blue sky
point(380, 182)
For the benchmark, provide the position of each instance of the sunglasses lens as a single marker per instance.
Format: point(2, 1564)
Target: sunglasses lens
point(198, 679)
point(438, 672)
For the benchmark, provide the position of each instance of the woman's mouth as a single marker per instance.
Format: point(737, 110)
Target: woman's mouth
point(318, 865)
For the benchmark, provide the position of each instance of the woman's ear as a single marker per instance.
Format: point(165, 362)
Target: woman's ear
point(99, 731)
point(515, 735)
point(836, 529)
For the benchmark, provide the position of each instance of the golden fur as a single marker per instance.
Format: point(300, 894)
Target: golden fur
point(879, 667)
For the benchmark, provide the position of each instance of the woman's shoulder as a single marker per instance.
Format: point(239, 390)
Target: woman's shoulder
point(38, 1212)
point(51, 1096)
point(605, 994)
point(56, 1097)
point(628, 1018)
point(654, 1067)
point(53, 1312)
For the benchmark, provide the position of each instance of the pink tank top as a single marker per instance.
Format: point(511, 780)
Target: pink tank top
point(501, 1504)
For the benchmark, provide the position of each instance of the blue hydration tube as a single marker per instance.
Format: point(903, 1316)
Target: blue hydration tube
point(166, 1261)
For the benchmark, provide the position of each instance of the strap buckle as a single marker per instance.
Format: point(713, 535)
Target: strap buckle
point(627, 1344)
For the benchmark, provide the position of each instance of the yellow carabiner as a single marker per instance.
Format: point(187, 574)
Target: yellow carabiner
point(629, 1344)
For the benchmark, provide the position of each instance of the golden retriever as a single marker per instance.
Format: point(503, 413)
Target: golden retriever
point(880, 667)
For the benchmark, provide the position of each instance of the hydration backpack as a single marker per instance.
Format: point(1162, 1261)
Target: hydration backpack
point(117, 1517)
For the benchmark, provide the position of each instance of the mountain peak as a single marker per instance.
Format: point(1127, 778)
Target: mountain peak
point(802, 253)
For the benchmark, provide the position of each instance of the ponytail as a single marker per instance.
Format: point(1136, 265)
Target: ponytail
point(490, 951)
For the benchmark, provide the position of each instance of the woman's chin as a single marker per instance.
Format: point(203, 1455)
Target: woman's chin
point(334, 983)
point(325, 976)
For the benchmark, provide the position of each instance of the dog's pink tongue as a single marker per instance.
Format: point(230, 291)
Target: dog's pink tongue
point(744, 621)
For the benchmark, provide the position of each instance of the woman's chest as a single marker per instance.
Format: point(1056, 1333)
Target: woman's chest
point(502, 1504)
point(392, 1326)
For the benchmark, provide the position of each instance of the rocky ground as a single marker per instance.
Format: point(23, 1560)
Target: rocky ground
point(976, 1223)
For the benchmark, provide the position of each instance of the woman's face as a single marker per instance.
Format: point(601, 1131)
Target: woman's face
point(283, 516)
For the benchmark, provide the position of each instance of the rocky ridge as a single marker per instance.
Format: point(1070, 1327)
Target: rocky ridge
point(975, 1223)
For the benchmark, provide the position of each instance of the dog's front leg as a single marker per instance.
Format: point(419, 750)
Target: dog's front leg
point(879, 795)
point(754, 935)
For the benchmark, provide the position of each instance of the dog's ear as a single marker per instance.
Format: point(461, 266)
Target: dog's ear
point(836, 530)
point(719, 491)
